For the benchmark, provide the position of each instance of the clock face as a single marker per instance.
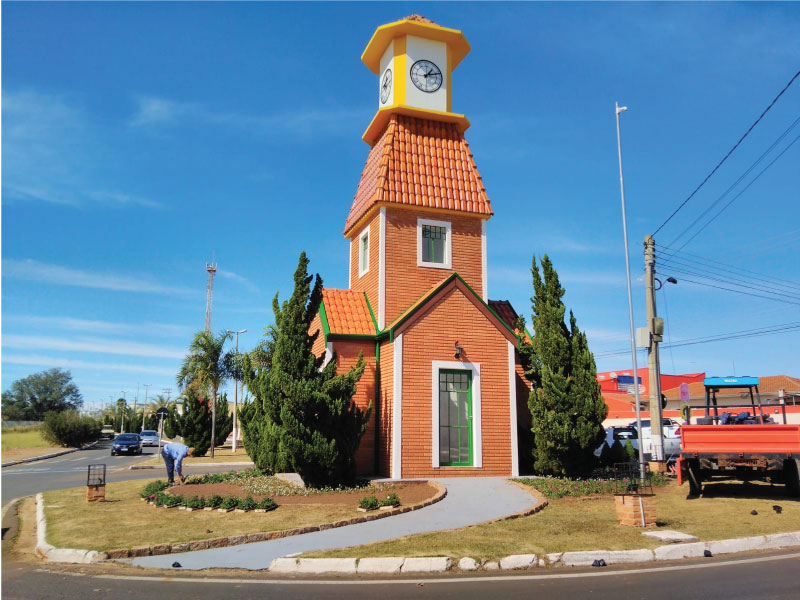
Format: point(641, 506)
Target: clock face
point(426, 76)
point(386, 85)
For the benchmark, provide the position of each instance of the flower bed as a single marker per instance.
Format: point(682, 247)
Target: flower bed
point(560, 487)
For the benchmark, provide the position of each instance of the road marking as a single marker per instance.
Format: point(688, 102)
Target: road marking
point(449, 580)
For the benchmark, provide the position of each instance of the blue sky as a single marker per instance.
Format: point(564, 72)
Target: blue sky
point(141, 140)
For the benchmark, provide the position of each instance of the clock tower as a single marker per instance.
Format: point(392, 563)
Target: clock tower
point(414, 59)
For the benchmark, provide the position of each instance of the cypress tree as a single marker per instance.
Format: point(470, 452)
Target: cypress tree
point(565, 401)
point(224, 420)
point(195, 423)
point(302, 418)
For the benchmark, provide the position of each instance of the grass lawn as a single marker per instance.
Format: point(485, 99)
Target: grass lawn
point(124, 521)
point(223, 454)
point(570, 524)
point(24, 442)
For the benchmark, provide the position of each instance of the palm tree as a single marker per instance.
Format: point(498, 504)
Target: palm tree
point(205, 370)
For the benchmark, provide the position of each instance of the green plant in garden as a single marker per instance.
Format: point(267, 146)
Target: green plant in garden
point(630, 451)
point(267, 504)
point(565, 402)
point(369, 503)
point(302, 417)
point(214, 501)
point(560, 487)
point(230, 502)
point(248, 503)
point(391, 500)
point(194, 502)
point(153, 488)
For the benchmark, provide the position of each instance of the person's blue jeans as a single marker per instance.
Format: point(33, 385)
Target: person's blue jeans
point(170, 463)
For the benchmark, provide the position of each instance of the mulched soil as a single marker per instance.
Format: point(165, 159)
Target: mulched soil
point(409, 493)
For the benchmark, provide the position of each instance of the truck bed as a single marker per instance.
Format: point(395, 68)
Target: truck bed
point(743, 440)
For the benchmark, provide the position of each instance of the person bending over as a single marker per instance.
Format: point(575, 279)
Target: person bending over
point(173, 454)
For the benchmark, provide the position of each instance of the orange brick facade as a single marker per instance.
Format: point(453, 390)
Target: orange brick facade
point(369, 281)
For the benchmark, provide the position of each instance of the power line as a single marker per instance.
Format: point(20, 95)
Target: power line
point(736, 197)
point(737, 182)
point(683, 279)
point(736, 145)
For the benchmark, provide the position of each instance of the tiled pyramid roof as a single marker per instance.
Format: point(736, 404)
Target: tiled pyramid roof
point(347, 312)
point(506, 312)
point(423, 163)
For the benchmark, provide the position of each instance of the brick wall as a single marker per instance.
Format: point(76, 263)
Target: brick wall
point(347, 355)
point(386, 372)
point(369, 282)
point(405, 281)
point(430, 338)
point(318, 348)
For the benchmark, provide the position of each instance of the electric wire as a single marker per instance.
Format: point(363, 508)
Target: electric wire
point(739, 291)
point(741, 178)
point(736, 197)
point(736, 145)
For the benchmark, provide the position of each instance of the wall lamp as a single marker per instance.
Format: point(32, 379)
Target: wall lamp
point(459, 350)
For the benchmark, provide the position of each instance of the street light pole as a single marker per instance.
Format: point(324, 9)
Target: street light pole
point(618, 110)
point(146, 385)
point(236, 390)
point(124, 406)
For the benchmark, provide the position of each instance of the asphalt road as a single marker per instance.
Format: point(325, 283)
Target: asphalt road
point(754, 578)
point(70, 470)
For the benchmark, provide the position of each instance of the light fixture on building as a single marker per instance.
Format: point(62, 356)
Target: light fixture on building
point(459, 350)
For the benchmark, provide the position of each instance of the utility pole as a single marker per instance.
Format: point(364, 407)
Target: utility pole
point(236, 389)
point(135, 400)
point(124, 406)
point(146, 385)
point(655, 328)
point(620, 109)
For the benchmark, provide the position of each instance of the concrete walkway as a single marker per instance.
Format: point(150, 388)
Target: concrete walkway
point(468, 501)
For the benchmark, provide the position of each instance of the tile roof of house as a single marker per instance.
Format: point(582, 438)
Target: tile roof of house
point(619, 406)
point(347, 312)
point(420, 163)
point(418, 18)
point(506, 312)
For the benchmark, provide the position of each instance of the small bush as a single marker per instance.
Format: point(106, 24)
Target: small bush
point(68, 428)
point(230, 502)
point(215, 501)
point(163, 499)
point(248, 503)
point(391, 500)
point(194, 502)
point(369, 502)
point(153, 488)
point(267, 504)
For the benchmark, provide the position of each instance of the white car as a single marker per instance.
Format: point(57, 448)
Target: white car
point(149, 437)
point(672, 440)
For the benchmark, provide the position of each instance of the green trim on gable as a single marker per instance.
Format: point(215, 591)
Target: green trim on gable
point(323, 316)
point(371, 314)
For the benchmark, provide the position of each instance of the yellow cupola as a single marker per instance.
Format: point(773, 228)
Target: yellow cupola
point(414, 59)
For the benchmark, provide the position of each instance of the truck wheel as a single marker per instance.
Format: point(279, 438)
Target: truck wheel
point(791, 473)
point(693, 472)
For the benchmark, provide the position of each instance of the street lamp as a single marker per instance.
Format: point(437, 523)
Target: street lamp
point(620, 109)
point(236, 389)
point(145, 385)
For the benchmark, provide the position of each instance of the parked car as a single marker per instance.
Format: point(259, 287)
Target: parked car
point(620, 434)
point(149, 437)
point(126, 443)
point(672, 439)
point(107, 432)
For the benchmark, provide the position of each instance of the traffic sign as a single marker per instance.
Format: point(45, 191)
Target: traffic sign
point(162, 412)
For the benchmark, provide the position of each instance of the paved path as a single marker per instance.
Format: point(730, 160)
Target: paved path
point(468, 501)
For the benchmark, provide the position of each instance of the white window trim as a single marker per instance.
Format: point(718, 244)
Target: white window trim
point(448, 247)
point(364, 269)
point(512, 399)
point(477, 435)
point(397, 409)
point(382, 270)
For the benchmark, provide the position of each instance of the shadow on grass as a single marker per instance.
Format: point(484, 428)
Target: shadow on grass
point(745, 490)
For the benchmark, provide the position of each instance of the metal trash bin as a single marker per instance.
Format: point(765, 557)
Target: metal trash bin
point(96, 483)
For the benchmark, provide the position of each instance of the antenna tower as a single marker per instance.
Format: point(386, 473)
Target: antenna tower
point(211, 268)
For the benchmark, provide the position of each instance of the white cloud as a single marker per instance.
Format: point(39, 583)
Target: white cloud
point(93, 345)
point(66, 363)
point(154, 111)
point(523, 276)
point(238, 279)
point(90, 325)
point(51, 149)
point(32, 270)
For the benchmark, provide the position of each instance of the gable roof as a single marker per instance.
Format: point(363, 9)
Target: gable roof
point(347, 313)
point(506, 312)
point(417, 309)
point(421, 163)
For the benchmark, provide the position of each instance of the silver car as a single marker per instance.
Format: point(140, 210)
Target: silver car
point(149, 437)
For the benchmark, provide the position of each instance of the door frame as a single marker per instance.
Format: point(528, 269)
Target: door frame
point(477, 437)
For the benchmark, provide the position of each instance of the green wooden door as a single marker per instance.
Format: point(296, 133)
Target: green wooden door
point(455, 418)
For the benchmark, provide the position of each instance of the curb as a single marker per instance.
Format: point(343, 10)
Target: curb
point(44, 456)
point(161, 466)
point(236, 540)
point(53, 554)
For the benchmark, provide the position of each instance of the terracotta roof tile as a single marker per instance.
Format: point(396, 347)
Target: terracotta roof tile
point(768, 385)
point(348, 312)
point(506, 312)
point(420, 162)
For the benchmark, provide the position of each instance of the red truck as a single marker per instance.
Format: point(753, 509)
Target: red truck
point(744, 446)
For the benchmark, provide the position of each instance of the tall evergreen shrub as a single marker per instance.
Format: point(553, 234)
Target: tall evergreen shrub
point(565, 402)
point(302, 417)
